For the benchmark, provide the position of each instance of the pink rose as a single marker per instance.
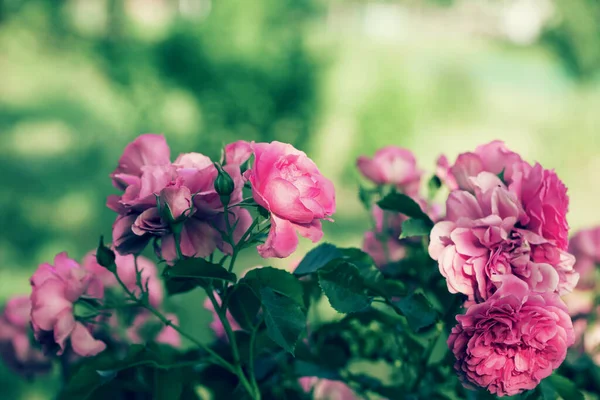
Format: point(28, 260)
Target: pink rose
point(512, 341)
point(127, 272)
point(238, 152)
point(493, 157)
point(147, 149)
point(175, 202)
point(55, 290)
point(165, 334)
point(392, 166)
point(443, 172)
point(325, 389)
point(289, 185)
point(481, 240)
point(546, 203)
point(186, 195)
point(15, 348)
point(585, 246)
point(383, 243)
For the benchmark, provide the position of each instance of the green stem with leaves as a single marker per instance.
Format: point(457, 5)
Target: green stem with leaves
point(167, 322)
point(250, 385)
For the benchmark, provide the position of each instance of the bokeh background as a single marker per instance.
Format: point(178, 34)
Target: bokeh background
point(79, 79)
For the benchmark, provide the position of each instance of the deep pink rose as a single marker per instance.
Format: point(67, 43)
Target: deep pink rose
point(546, 203)
point(325, 389)
point(145, 320)
point(585, 246)
point(512, 341)
point(289, 185)
point(238, 152)
point(127, 272)
point(15, 348)
point(481, 240)
point(392, 165)
point(55, 290)
point(156, 192)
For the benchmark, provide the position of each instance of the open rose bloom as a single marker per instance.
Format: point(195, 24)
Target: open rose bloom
point(15, 347)
point(512, 341)
point(55, 290)
point(290, 186)
point(158, 193)
point(510, 226)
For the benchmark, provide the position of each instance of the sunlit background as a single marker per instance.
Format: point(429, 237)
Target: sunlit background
point(79, 79)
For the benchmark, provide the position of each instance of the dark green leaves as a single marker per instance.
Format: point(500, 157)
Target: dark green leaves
point(285, 318)
point(105, 256)
point(198, 268)
point(557, 384)
point(168, 384)
point(344, 287)
point(278, 280)
point(403, 204)
point(243, 304)
point(189, 273)
point(317, 258)
point(415, 227)
point(418, 311)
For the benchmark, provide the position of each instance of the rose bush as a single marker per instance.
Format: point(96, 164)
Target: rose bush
point(344, 323)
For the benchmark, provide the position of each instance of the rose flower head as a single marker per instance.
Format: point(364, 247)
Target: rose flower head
point(511, 342)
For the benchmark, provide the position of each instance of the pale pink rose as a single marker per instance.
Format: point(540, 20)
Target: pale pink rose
point(15, 348)
point(289, 185)
point(585, 246)
point(238, 152)
point(493, 157)
point(383, 250)
point(147, 149)
point(127, 272)
point(392, 165)
point(442, 171)
point(184, 190)
point(55, 290)
point(546, 203)
point(512, 341)
point(145, 320)
point(580, 302)
point(325, 389)
point(481, 240)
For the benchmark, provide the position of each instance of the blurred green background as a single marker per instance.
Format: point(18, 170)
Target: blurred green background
point(79, 79)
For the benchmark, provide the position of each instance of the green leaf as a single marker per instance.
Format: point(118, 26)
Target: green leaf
point(440, 349)
point(344, 287)
point(403, 204)
point(243, 304)
point(366, 197)
point(418, 311)
point(564, 387)
point(101, 369)
point(415, 227)
point(303, 368)
point(284, 318)
point(168, 384)
point(317, 258)
point(278, 280)
point(199, 268)
point(433, 186)
point(177, 286)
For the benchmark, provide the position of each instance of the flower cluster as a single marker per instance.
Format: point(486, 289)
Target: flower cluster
point(190, 202)
point(504, 244)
